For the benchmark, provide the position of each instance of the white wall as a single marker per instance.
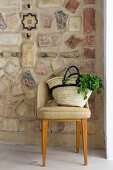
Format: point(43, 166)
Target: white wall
point(109, 78)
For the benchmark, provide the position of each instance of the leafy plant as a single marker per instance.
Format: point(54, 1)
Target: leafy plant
point(91, 82)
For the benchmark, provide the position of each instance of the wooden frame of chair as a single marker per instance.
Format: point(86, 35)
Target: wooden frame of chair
point(78, 131)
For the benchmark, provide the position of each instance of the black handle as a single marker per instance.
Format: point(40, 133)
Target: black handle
point(76, 73)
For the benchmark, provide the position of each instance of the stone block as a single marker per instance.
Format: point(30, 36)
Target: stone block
point(25, 126)
point(72, 5)
point(61, 19)
point(12, 20)
point(16, 89)
point(47, 21)
point(21, 108)
point(89, 21)
point(72, 41)
point(89, 53)
point(46, 54)
point(74, 54)
point(89, 41)
point(50, 40)
point(58, 64)
point(49, 3)
point(8, 124)
point(75, 24)
point(11, 54)
point(43, 66)
point(10, 39)
point(9, 4)
point(5, 85)
point(4, 109)
point(89, 66)
point(89, 2)
point(28, 55)
point(11, 69)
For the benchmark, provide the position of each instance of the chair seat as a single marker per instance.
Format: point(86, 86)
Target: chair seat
point(60, 112)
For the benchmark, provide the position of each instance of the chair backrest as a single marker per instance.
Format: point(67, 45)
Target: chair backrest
point(43, 94)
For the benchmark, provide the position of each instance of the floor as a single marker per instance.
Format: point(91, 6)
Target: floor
point(25, 157)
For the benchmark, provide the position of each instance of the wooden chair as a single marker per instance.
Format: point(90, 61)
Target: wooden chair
point(60, 113)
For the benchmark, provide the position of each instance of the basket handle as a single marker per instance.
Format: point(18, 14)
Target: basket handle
point(76, 73)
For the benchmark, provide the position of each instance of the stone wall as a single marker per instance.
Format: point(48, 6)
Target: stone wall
point(38, 38)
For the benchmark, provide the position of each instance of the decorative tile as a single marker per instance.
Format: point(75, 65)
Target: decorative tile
point(89, 41)
point(29, 21)
point(61, 19)
point(72, 41)
point(89, 53)
point(2, 22)
point(10, 39)
point(28, 55)
point(9, 4)
point(28, 79)
point(75, 24)
point(12, 20)
point(49, 3)
point(89, 2)
point(47, 21)
point(50, 40)
point(88, 20)
point(72, 5)
point(73, 54)
point(11, 69)
point(89, 66)
point(46, 54)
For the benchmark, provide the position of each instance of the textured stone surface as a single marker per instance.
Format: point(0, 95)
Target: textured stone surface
point(2, 22)
point(49, 3)
point(50, 40)
point(73, 54)
point(89, 41)
point(89, 2)
point(28, 55)
point(11, 69)
point(89, 53)
point(89, 66)
point(75, 24)
point(89, 21)
point(47, 21)
point(10, 39)
point(9, 4)
point(13, 21)
point(72, 41)
point(18, 101)
point(72, 5)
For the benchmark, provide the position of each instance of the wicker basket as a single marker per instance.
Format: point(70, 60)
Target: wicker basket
point(66, 94)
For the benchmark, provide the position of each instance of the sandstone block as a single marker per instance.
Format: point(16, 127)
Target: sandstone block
point(75, 24)
point(72, 5)
point(89, 41)
point(89, 2)
point(89, 66)
point(9, 4)
point(10, 39)
point(49, 3)
point(89, 53)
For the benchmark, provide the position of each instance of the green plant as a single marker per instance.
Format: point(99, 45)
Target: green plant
point(87, 81)
point(90, 81)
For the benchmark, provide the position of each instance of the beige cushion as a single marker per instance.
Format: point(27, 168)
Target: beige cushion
point(60, 112)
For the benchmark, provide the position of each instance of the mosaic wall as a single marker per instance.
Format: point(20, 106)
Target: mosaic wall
point(38, 38)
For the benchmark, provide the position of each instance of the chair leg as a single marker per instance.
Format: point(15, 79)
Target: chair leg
point(78, 130)
point(44, 139)
point(84, 130)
